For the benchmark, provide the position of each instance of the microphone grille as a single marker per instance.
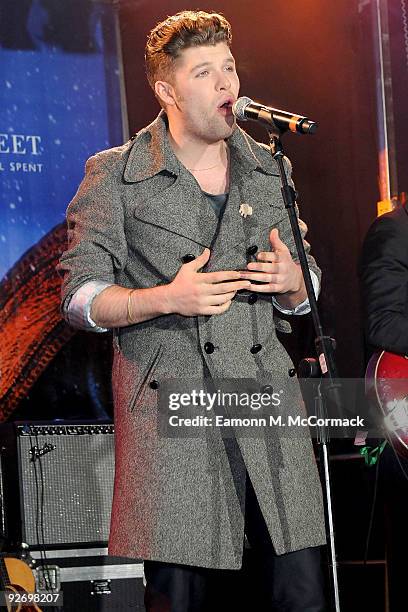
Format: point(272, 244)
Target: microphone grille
point(238, 108)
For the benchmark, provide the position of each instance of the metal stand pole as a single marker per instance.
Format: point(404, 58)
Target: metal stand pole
point(327, 387)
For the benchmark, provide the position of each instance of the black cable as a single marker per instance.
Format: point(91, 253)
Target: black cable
point(37, 508)
point(39, 519)
point(42, 520)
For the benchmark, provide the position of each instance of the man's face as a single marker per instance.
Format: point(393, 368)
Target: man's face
point(205, 86)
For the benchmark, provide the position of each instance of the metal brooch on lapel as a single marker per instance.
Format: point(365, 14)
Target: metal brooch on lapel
point(245, 210)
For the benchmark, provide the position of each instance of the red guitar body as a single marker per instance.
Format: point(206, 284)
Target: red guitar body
point(387, 385)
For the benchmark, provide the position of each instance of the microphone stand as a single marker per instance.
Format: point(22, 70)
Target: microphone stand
point(325, 350)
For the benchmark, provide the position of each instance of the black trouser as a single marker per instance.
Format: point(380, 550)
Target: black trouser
point(291, 582)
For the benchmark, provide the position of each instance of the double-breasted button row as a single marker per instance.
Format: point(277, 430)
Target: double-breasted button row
point(251, 251)
point(209, 348)
point(154, 384)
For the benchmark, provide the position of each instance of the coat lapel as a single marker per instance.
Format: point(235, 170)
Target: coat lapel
point(181, 209)
point(150, 153)
point(178, 205)
point(246, 158)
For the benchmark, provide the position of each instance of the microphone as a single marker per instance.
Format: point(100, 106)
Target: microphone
point(245, 108)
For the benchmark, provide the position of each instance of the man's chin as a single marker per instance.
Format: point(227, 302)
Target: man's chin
point(217, 132)
point(230, 127)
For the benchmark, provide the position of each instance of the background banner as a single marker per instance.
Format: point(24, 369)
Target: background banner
point(60, 102)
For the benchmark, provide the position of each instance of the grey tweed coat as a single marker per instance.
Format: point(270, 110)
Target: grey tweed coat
point(136, 214)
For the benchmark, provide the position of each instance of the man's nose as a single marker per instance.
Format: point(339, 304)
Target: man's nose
point(223, 82)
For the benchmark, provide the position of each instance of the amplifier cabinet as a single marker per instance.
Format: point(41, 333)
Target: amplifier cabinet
point(58, 483)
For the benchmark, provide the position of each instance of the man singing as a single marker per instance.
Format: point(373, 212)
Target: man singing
point(179, 241)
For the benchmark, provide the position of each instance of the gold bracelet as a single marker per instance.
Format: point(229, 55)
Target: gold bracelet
point(130, 319)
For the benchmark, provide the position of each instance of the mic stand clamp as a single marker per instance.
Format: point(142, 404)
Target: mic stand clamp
point(327, 389)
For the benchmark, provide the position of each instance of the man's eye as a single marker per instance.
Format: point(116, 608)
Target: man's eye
point(230, 68)
point(203, 73)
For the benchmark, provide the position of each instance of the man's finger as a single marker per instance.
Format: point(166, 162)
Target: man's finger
point(254, 266)
point(214, 310)
point(220, 288)
point(267, 288)
point(270, 256)
point(263, 277)
point(218, 299)
point(219, 277)
point(200, 261)
point(275, 241)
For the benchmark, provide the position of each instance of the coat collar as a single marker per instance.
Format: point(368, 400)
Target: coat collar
point(151, 153)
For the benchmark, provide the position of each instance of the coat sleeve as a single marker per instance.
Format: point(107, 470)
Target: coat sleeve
point(96, 238)
point(384, 284)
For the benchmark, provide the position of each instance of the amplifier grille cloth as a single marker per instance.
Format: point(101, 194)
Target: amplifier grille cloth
point(78, 486)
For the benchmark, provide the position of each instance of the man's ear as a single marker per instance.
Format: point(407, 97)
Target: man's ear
point(165, 92)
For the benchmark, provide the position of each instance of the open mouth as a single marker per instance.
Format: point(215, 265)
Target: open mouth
point(225, 107)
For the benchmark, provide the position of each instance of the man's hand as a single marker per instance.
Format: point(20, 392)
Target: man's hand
point(278, 273)
point(194, 293)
